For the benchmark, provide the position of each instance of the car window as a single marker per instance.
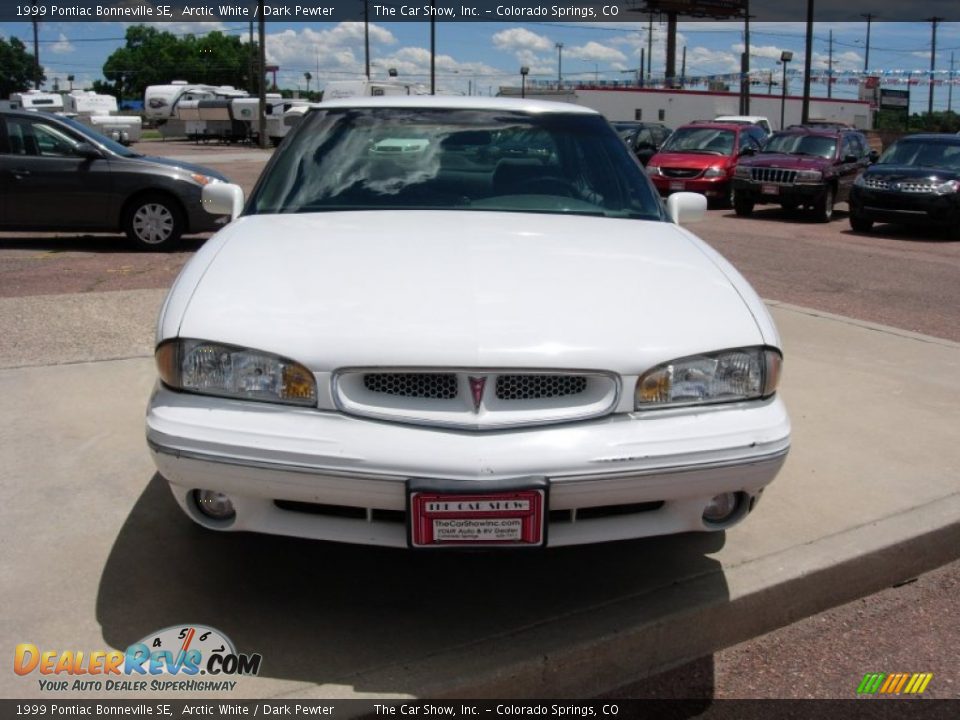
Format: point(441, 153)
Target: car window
point(30, 137)
point(701, 140)
point(427, 158)
point(798, 144)
point(922, 153)
point(847, 148)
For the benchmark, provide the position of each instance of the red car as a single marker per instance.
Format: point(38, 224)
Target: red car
point(700, 157)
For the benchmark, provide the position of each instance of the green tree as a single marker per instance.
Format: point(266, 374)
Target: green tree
point(16, 67)
point(154, 57)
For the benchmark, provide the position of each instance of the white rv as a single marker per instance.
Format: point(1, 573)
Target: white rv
point(37, 100)
point(339, 89)
point(99, 112)
point(162, 102)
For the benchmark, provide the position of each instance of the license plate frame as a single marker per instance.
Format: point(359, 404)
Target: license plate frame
point(447, 514)
point(770, 189)
point(678, 185)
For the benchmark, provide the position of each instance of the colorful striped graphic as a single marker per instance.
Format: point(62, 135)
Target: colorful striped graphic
point(894, 683)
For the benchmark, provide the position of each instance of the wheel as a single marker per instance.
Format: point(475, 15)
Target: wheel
point(858, 223)
point(731, 196)
point(823, 208)
point(154, 222)
point(742, 205)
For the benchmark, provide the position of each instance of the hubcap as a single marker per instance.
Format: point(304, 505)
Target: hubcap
point(153, 223)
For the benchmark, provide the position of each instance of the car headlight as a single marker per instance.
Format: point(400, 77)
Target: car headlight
point(725, 376)
point(234, 372)
point(809, 176)
point(653, 170)
point(742, 171)
point(715, 172)
point(950, 186)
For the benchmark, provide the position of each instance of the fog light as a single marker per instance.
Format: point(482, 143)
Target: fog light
point(214, 504)
point(721, 508)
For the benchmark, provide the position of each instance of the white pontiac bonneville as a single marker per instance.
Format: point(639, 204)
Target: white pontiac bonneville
point(449, 322)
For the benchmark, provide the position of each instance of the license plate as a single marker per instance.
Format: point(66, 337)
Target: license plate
point(770, 189)
point(506, 518)
point(677, 185)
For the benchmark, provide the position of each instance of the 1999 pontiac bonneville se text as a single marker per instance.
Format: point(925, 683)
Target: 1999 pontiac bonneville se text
point(449, 322)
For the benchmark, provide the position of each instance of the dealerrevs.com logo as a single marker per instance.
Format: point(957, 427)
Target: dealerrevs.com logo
point(168, 660)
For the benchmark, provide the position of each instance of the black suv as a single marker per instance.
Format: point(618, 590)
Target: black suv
point(809, 165)
point(916, 181)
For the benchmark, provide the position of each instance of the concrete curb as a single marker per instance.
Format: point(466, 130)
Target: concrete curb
point(604, 648)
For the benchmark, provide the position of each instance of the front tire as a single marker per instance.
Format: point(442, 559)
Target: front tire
point(154, 222)
point(823, 208)
point(742, 205)
point(860, 224)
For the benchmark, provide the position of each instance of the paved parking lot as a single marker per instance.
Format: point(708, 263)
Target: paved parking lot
point(873, 465)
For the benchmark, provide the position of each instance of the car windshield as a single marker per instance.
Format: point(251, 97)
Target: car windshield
point(106, 142)
point(797, 144)
point(701, 140)
point(922, 154)
point(455, 159)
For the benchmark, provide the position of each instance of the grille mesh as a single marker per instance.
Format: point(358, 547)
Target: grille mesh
point(538, 387)
point(434, 386)
point(680, 172)
point(774, 175)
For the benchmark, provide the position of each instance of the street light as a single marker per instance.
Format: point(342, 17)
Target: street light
point(785, 57)
point(524, 71)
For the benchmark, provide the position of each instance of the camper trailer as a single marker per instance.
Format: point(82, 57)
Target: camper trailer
point(339, 89)
point(161, 104)
point(99, 112)
point(36, 100)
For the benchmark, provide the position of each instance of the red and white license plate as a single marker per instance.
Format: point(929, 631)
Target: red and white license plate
point(508, 518)
point(677, 185)
point(770, 189)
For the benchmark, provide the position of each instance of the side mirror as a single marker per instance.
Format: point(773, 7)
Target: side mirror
point(88, 151)
point(220, 198)
point(850, 159)
point(749, 150)
point(686, 207)
point(873, 156)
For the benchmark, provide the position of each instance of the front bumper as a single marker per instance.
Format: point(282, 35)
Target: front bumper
point(632, 475)
point(905, 208)
point(711, 187)
point(798, 193)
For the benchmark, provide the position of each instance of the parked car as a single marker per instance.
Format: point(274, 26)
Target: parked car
point(58, 174)
point(915, 181)
point(700, 157)
point(643, 138)
point(759, 120)
point(452, 347)
point(810, 166)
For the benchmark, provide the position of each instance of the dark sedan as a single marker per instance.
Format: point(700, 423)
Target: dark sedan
point(643, 138)
point(916, 181)
point(56, 174)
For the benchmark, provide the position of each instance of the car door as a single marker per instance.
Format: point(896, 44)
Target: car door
point(48, 183)
point(850, 163)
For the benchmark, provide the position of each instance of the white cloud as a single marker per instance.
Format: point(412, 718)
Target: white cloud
point(596, 52)
point(329, 53)
point(519, 39)
point(62, 46)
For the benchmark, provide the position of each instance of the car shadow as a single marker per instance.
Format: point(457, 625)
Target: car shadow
point(914, 234)
point(800, 215)
point(330, 613)
point(85, 242)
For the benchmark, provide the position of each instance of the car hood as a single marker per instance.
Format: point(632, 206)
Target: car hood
point(689, 160)
point(180, 165)
point(784, 160)
point(911, 172)
point(462, 289)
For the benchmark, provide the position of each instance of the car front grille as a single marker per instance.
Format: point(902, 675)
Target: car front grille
point(436, 386)
point(680, 172)
point(774, 175)
point(476, 399)
point(910, 186)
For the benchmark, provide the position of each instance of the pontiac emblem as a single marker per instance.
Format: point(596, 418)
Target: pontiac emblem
point(476, 390)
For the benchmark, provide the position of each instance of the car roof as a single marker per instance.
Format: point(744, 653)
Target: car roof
point(821, 130)
point(713, 125)
point(458, 102)
point(938, 137)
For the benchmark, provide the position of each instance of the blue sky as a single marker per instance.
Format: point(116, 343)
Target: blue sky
point(484, 56)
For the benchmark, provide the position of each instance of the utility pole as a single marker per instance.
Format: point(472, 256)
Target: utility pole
point(933, 60)
point(250, 84)
point(433, 48)
point(683, 67)
point(950, 86)
point(559, 47)
point(36, 58)
point(805, 115)
point(366, 36)
point(866, 59)
point(830, 68)
point(262, 79)
point(650, 50)
point(642, 64)
point(670, 76)
point(745, 63)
